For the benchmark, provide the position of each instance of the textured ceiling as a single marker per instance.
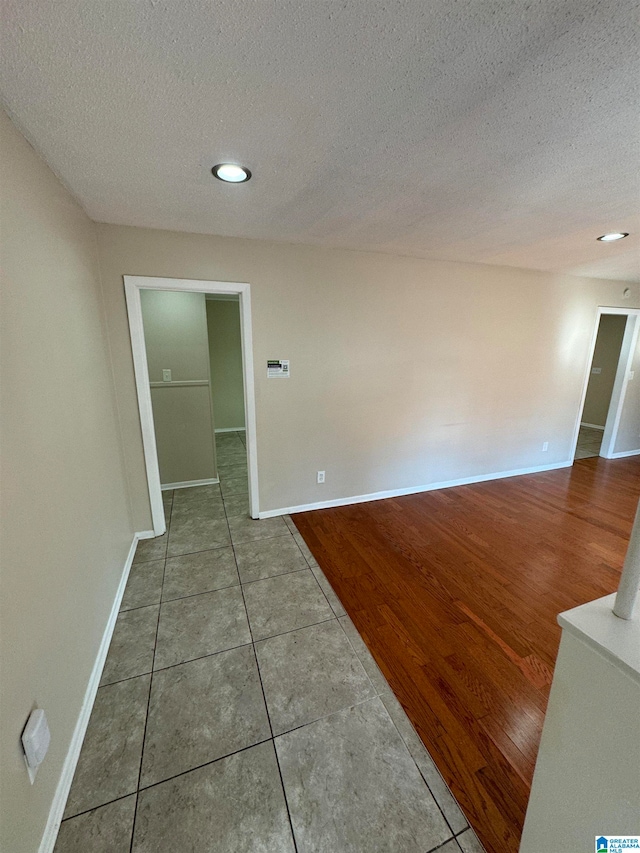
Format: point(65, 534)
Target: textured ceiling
point(498, 131)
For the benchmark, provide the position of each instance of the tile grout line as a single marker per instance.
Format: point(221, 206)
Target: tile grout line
point(170, 505)
point(355, 651)
point(312, 567)
point(264, 697)
point(444, 844)
point(381, 696)
point(130, 678)
point(169, 779)
point(222, 651)
point(327, 716)
point(393, 695)
point(378, 694)
point(279, 575)
point(146, 719)
point(203, 592)
point(422, 776)
point(253, 642)
point(270, 739)
point(95, 808)
point(206, 764)
point(217, 547)
point(294, 630)
point(332, 618)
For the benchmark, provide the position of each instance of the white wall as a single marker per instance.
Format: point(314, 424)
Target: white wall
point(587, 776)
point(176, 338)
point(628, 438)
point(405, 372)
point(66, 527)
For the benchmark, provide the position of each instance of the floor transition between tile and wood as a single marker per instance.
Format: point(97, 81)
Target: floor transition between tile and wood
point(239, 710)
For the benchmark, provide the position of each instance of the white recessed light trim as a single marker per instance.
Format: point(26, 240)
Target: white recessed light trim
point(614, 235)
point(231, 173)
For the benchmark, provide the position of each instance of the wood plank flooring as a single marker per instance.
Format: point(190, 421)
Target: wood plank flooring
point(456, 593)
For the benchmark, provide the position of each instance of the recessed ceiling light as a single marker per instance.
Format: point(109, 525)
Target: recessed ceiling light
point(615, 235)
point(231, 173)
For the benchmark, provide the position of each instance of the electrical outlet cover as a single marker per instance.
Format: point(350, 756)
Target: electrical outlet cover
point(36, 738)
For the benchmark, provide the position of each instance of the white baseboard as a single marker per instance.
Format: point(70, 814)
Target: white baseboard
point(188, 484)
point(146, 534)
point(592, 426)
point(413, 490)
point(230, 429)
point(69, 767)
point(624, 453)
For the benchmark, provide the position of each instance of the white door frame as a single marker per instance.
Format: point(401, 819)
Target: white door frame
point(133, 284)
point(621, 381)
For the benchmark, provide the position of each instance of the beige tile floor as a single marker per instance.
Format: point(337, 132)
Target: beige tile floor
point(239, 709)
point(589, 441)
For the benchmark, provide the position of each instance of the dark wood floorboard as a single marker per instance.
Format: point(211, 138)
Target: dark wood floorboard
point(456, 593)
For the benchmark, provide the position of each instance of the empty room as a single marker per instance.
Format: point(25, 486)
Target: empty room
point(320, 426)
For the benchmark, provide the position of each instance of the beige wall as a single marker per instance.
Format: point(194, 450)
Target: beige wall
point(225, 349)
point(405, 372)
point(605, 357)
point(175, 334)
point(628, 437)
point(66, 529)
point(175, 330)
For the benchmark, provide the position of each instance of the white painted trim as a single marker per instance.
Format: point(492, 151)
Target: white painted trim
point(616, 639)
point(133, 284)
point(188, 484)
point(231, 429)
point(609, 437)
point(179, 383)
point(214, 449)
point(69, 767)
point(620, 384)
point(141, 371)
point(592, 426)
point(414, 490)
point(146, 534)
point(622, 453)
point(246, 335)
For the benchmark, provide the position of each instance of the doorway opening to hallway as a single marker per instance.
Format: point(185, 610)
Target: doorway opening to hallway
point(191, 343)
point(607, 383)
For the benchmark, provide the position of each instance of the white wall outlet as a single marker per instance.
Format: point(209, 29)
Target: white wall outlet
point(545, 446)
point(36, 738)
point(321, 476)
point(596, 370)
point(166, 375)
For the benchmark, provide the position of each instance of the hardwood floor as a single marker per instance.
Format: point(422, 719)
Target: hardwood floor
point(456, 593)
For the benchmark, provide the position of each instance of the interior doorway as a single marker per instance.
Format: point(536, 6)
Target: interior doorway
point(149, 300)
point(610, 371)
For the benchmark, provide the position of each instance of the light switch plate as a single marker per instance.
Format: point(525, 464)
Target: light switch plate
point(166, 375)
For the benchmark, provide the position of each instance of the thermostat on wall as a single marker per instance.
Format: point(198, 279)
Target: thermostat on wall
point(278, 368)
